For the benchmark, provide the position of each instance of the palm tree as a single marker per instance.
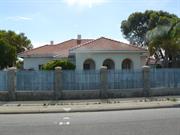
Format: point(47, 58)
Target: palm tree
point(164, 43)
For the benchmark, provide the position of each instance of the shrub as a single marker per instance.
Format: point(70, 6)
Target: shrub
point(65, 64)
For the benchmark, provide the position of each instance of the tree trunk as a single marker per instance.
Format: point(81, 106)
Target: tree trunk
point(166, 62)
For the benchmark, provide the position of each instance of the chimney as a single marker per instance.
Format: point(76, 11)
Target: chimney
point(51, 42)
point(78, 39)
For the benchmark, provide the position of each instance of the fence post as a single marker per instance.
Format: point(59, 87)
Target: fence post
point(146, 81)
point(103, 82)
point(58, 83)
point(11, 83)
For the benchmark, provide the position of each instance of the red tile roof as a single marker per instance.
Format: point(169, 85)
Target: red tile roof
point(61, 49)
point(153, 61)
point(106, 44)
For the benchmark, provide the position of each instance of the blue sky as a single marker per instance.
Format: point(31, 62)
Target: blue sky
point(59, 20)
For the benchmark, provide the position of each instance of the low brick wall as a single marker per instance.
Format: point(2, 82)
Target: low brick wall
point(39, 95)
point(4, 96)
point(115, 93)
point(164, 91)
point(80, 94)
point(87, 94)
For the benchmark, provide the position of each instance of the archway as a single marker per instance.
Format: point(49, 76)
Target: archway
point(127, 64)
point(89, 64)
point(109, 64)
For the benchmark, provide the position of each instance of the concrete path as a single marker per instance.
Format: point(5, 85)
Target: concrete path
point(88, 105)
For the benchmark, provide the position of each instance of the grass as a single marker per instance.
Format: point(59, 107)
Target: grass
point(172, 99)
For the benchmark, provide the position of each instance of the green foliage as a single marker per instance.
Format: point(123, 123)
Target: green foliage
point(66, 65)
point(19, 41)
point(138, 24)
point(157, 30)
point(10, 44)
point(19, 64)
point(7, 55)
point(165, 38)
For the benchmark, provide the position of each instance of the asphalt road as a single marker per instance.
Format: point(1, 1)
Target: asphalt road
point(134, 122)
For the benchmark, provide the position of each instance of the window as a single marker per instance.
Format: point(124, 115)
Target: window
point(89, 64)
point(127, 64)
point(40, 67)
point(109, 64)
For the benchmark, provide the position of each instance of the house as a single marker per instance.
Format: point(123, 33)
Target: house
point(88, 54)
point(154, 63)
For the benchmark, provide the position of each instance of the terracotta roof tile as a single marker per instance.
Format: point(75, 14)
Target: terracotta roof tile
point(61, 49)
point(103, 44)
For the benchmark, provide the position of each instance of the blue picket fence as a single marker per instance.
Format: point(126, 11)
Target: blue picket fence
point(125, 79)
point(35, 80)
point(3, 81)
point(81, 80)
point(90, 79)
point(165, 78)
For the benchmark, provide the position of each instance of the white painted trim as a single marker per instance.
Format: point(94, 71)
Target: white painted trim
point(106, 51)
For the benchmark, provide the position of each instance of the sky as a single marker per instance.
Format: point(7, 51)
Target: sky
point(43, 21)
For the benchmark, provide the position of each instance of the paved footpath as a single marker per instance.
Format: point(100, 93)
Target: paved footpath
point(62, 106)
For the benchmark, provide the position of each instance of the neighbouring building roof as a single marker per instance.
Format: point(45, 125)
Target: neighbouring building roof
point(153, 61)
point(63, 49)
point(106, 44)
point(56, 50)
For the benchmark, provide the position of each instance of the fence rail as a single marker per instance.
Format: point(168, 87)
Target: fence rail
point(167, 78)
point(90, 80)
point(81, 80)
point(124, 79)
point(35, 80)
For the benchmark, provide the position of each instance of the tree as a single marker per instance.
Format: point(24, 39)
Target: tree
point(136, 26)
point(12, 43)
point(65, 64)
point(19, 41)
point(164, 43)
point(7, 55)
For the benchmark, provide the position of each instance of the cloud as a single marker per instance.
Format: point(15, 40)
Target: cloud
point(85, 3)
point(19, 18)
point(39, 43)
point(17, 31)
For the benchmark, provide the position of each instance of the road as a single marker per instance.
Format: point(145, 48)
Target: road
point(133, 122)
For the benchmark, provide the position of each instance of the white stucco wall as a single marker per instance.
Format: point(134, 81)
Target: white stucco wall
point(143, 60)
point(33, 63)
point(137, 59)
point(99, 58)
